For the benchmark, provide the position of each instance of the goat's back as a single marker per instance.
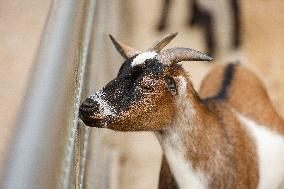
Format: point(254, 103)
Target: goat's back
point(241, 89)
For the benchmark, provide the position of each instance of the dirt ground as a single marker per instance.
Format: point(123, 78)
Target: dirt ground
point(21, 24)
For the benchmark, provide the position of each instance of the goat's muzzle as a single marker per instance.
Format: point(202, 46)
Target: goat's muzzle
point(87, 113)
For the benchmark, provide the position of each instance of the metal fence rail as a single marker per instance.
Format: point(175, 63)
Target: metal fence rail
point(43, 153)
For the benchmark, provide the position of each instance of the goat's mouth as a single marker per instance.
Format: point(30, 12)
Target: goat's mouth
point(93, 120)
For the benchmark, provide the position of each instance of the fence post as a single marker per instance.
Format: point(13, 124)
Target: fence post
point(42, 151)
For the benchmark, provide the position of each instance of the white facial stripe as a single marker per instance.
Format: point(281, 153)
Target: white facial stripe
point(140, 59)
point(182, 85)
point(104, 107)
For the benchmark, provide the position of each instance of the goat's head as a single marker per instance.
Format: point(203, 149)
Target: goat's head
point(142, 96)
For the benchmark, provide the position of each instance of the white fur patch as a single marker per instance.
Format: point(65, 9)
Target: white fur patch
point(185, 176)
point(182, 101)
point(182, 85)
point(104, 107)
point(140, 59)
point(270, 151)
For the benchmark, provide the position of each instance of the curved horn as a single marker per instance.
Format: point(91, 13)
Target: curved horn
point(124, 50)
point(175, 55)
point(160, 44)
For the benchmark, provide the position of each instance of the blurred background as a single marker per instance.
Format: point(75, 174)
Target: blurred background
point(55, 53)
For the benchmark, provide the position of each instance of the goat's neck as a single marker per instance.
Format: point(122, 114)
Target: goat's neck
point(187, 132)
point(186, 142)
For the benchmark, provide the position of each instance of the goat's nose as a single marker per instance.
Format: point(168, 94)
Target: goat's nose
point(88, 104)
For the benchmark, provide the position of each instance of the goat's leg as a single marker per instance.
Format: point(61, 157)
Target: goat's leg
point(194, 13)
point(208, 27)
point(163, 22)
point(166, 180)
point(204, 20)
point(236, 23)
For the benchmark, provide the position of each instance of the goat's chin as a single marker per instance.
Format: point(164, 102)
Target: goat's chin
point(99, 123)
point(129, 127)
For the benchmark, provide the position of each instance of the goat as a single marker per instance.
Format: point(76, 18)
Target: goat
point(228, 136)
point(204, 13)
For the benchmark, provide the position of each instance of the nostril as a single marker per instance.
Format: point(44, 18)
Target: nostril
point(89, 103)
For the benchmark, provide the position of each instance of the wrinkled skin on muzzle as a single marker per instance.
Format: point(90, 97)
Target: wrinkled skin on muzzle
point(132, 101)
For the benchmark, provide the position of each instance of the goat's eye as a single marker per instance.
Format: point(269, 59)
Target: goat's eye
point(171, 84)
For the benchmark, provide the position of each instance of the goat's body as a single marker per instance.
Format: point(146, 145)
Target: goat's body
point(214, 152)
point(244, 129)
point(250, 102)
point(231, 137)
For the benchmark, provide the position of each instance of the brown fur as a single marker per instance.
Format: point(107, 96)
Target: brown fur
point(223, 152)
point(218, 145)
point(245, 87)
point(167, 180)
point(202, 138)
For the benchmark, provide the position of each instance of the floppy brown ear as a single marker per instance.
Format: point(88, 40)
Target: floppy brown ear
point(175, 55)
point(124, 50)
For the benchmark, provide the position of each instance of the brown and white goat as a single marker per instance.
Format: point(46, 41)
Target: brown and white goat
point(229, 136)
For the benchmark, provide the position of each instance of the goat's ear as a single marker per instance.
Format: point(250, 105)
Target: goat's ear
point(124, 50)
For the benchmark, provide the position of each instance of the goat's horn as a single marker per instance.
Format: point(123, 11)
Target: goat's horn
point(124, 50)
point(175, 55)
point(160, 44)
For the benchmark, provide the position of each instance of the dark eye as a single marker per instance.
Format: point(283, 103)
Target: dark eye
point(171, 84)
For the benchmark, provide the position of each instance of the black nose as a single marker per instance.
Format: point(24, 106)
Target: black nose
point(88, 104)
point(87, 108)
